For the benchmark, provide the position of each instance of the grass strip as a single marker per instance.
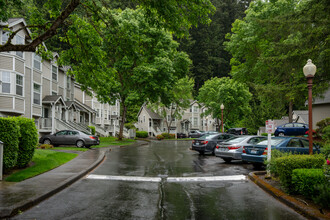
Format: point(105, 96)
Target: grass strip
point(70, 148)
point(113, 141)
point(44, 160)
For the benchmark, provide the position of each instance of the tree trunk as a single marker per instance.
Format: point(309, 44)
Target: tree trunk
point(122, 122)
point(290, 111)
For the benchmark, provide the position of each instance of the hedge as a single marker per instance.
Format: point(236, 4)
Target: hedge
point(168, 135)
point(285, 165)
point(9, 135)
point(141, 134)
point(304, 181)
point(28, 140)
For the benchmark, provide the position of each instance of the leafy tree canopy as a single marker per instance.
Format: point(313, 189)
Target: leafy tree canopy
point(235, 96)
point(46, 18)
point(124, 57)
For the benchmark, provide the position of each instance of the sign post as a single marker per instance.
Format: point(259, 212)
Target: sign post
point(270, 125)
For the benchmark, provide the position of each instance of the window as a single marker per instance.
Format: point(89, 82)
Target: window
point(288, 125)
point(114, 113)
point(54, 93)
point(5, 82)
point(5, 36)
point(68, 82)
point(294, 143)
point(19, 40)
point(36, 94)
point(97, 112)
point(105, 114)
point(37, 62)
point(19, 85)
point(195, 121)
point(54, 72)
point(195, 108)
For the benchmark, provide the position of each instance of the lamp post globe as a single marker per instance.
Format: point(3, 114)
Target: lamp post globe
point(309, 72)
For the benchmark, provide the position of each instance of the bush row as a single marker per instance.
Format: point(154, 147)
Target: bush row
point(141, 134)
point(20, 137)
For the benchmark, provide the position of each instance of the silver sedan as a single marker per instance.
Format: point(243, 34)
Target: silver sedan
point(233, 149)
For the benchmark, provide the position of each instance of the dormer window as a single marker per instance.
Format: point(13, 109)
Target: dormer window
point(37, 62)
point(19, 41)
point(4, 37)
point(54, 72)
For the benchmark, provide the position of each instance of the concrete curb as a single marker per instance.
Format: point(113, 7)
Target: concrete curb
point(300, 207)
point(24, 205)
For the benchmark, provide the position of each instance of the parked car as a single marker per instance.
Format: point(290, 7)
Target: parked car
point(70, 137)
point(256, 154)
point(195, 134)
point(207, 143)
point(238, 131)
point(181, 135)
point(232, 149)
point(291, 129)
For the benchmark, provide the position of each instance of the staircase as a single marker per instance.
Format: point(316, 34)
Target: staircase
point(100, 131)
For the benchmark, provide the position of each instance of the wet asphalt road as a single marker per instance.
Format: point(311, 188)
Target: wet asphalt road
point(144, 199)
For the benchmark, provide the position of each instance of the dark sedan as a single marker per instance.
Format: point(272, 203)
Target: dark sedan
point(207, 143)
point(258, 153)
point(70, 137)
point(291, 129)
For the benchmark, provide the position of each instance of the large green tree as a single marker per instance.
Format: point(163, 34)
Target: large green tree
point(47, 18)
point(180, 97)
point(124, 58)
point(271, 45)
point(235, 97)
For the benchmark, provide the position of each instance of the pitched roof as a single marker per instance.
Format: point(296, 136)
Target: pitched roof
point(53, 99)
point(152, 114)
point(323, 100)
point(83, 107)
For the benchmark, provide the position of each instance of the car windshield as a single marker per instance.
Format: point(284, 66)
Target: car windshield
point(236, 140)
point(273, 142)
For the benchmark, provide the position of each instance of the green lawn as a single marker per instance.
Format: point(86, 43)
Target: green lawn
point(44, 160)
point(70, 148)
point(111, 141)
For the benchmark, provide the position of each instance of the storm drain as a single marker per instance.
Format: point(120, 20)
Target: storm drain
point(168, 179)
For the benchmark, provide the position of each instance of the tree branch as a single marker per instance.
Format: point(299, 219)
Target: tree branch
point(31, 47)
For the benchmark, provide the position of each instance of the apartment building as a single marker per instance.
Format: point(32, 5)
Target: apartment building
point(191, 119)
point(40, 89)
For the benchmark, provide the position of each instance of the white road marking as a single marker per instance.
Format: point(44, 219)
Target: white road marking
point(125, 178)
point(168, 179)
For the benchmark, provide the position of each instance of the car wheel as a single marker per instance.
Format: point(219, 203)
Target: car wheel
point(201, 152)
point(281, 134)
point(80, 143)
point(227, 160)
point(47, 141)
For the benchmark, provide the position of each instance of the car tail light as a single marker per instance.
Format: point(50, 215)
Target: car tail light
point(265, 151)
point(244, 150)
point(193, 141)
point(217, 147)
point(204, 142)
point(91, 137)
point(233, 147)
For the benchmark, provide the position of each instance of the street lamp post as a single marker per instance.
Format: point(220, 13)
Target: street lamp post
point(309, 72)
point(222, 107)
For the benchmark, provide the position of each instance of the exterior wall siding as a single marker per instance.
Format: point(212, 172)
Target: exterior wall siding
point(19, 66)
point(6, 62)
point(320, 112)
point(37, 77)
point(54, 86)
point(61, 91)
point(6, 103)
point(19, 104)
point(45, 87)
point(37, 110)
point(27, 92)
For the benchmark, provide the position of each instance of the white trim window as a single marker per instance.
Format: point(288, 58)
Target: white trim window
point(19, 41)
point(5, 84)
point(36, 93)
point(68, 82)
point(54, 72)
point(105, 114)
point(37, 62)
point(4, 37)
point(195, 109)
point(195, 121)
point(19, 85)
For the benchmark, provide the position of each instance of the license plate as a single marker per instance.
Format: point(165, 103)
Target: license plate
point(253, 151)
point(197, 143)
point(223, 149)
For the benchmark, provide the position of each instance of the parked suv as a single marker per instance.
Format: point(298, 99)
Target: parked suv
point(238, 131)
point(291, 129)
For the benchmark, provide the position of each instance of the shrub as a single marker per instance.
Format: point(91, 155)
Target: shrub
point(326, 150)
point(9, 134)
point(92, 129)
point(326, 134)
point(142, 134)
point(160, 137)
point(168, 136)
point(305, 180)
point(285, 165)
point(322, 195)
point(28, 140)
point(46, 146)
point(273, 161)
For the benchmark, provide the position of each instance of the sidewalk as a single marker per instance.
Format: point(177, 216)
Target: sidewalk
point(16, 197)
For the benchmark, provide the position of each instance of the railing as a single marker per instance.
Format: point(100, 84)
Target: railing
point(45, 123)
point(81, 127)
point(61, 125)
point(100, 130)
